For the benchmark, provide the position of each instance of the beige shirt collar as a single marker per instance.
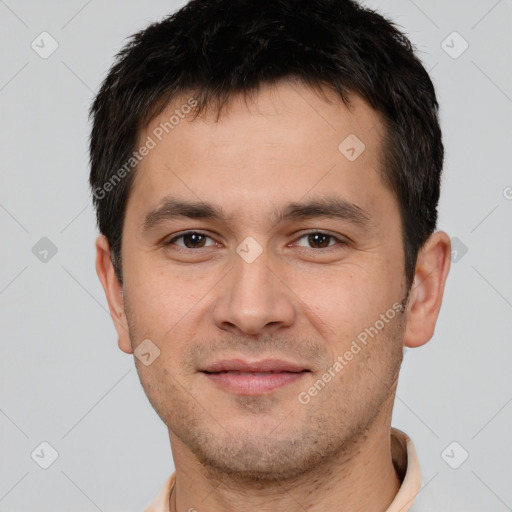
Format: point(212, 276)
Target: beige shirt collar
point(405, 460)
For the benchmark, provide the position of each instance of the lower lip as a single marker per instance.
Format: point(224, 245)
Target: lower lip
point(254, 384)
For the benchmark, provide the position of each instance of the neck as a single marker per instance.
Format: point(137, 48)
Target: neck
point(364, 479)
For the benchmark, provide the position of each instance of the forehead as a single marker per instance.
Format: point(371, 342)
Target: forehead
point(281, 144)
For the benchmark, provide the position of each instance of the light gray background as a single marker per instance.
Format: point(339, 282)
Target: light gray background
point(64, 381)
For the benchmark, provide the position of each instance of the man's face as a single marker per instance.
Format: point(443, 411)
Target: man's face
point(253, 285)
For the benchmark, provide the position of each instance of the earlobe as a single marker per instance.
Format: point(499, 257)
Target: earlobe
point(426, 295)
point(113, 292)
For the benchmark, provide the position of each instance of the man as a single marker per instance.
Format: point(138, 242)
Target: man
point(266, 175)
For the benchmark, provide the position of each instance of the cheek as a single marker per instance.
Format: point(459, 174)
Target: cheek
point(162, 299)
point(346, 304)
point(170, 310)
point(340, 298)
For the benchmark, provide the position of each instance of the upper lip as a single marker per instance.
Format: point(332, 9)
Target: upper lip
point(265, 365)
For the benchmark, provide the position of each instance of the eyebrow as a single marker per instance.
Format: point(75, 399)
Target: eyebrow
point(332, 207)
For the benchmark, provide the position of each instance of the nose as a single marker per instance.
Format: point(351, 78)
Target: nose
point(253, 298)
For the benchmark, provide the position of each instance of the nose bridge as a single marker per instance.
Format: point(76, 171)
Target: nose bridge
point(252, 297)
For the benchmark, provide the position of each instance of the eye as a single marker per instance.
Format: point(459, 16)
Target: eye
point(196, 240)
point(191, 240)
point(320, 239)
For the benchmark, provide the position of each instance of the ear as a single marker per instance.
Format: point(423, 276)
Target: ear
point(426, 295)
point(113, 291)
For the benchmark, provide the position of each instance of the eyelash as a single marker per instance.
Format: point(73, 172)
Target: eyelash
point(342, 242)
